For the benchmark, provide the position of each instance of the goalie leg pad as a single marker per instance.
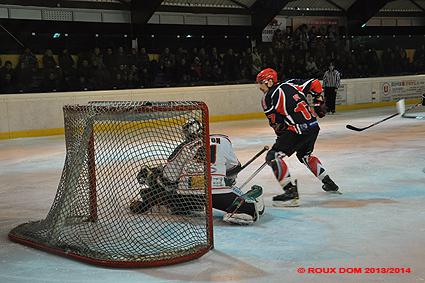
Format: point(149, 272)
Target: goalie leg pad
point(254, 197)
point(259, 206)
point(239, 218)
point(249, 204)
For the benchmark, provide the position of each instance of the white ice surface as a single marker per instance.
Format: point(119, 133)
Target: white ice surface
point(379, 221)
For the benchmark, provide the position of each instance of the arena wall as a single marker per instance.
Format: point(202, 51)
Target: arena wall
point(40, 114)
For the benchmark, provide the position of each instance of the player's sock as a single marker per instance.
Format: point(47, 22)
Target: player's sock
point(314, 165)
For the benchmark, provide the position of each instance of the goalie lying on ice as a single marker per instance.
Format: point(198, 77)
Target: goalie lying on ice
point(163, 183)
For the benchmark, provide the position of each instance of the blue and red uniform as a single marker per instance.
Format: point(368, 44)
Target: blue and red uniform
point(295, 124)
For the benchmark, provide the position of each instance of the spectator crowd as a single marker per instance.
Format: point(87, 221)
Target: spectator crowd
point(305, 52)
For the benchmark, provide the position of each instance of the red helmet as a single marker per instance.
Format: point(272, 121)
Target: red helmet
point(267, 74)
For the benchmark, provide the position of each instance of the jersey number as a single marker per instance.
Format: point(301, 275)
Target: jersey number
point(213, 153)
point(302, 107)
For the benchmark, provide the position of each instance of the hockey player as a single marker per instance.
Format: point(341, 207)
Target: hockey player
point(296, 127)
point(162, 183)
point(224, 169)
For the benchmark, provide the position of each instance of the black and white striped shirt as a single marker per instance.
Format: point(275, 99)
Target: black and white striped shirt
point(331, 79)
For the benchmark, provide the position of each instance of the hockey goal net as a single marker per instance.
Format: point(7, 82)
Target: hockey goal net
point(107, 146)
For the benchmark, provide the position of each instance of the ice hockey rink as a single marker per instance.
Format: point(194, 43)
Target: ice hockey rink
point(377, 225)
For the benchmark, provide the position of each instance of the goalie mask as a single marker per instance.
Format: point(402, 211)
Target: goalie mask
point(192, 129)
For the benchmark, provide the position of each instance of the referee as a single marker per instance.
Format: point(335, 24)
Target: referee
point(331, 81)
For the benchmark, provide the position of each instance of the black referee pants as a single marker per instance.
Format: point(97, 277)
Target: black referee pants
point(330, 98)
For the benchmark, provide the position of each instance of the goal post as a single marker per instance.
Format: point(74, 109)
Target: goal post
point(108, 144)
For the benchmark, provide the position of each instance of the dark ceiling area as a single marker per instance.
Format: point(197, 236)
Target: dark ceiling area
point(355, 12)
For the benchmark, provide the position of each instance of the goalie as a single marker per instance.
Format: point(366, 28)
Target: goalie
point(162, 183)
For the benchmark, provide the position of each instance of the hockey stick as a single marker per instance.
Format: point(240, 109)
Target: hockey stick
point(265, 148)
point(236, 171)
point(253, 175)
point(350, 127)
point(418, 117)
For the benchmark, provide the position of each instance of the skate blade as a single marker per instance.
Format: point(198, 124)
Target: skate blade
point(334, 192)
point(292, 203)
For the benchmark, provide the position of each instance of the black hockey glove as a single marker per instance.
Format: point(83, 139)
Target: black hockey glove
point(279, 128)
point(143, 174)
point(146, 174)
point(319, 106)
point(321, 110)
point(231, 175)
point(229, 182)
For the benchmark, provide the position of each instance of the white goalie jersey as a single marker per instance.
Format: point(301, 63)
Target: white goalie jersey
point(182, 167)
point(183, 155)
point(223, 159)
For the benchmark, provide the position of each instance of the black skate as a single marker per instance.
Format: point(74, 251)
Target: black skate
point(329, 185)
point(289, 198)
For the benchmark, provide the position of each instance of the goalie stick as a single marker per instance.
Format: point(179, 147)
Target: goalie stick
point(350, 127)
point(253, 174)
